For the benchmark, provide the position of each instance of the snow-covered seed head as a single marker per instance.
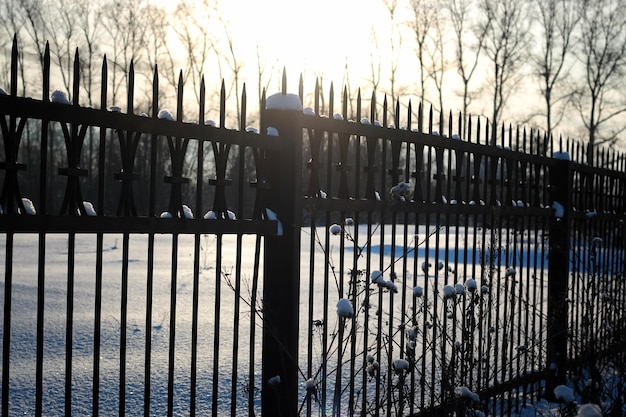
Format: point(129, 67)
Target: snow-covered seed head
point(400, 366)
point(418, 291)
point(564, 393)
point(589, 410)
point(399, 191)
point(412, 333)
point(484, 289)
point(597, 241)
point(457, 344)
point(471, 285)
point(344, 308)
point(349, 221)
point(372, 369)
point(59, 96)
point(166, 115)
point(440, 265)
point(391, 286)
point(464, 392)
point(274, 381)
point(448, 292)
point(309, 384)
point(334, 229)
point(460, 289)
point(377, 277)
point(510, 272)
point(370, 358)
point(425, 266)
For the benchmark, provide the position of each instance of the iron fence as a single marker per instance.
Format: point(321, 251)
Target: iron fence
point(351, 264)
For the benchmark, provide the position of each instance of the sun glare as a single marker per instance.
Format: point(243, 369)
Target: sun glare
point(316, 39)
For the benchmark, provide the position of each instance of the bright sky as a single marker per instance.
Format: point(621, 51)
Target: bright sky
point(308, 37)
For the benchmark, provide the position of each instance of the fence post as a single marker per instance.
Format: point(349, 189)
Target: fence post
point(281, 265)
point(558, 268)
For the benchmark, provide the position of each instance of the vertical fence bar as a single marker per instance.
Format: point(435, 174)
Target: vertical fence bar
point(560, 173)
point(282, 263)
point(43, 168)
point(69, 322)
point(6, 327)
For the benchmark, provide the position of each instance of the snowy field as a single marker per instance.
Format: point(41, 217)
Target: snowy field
point(410, 256)
point(24, 313)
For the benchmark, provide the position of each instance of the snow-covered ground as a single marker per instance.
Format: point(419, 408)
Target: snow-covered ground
point(416, 264)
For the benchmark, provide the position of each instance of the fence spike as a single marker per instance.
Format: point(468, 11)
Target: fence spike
point(179, 103)
point(396, 118)
point(155, 92)
point(104, 74)
point(373, 107)
point(344, 107)
point(420, 118)
point(76, 84)
point(331, 100)
point(14, 59)
point(222, 104)
point(46, 73)
point(430, 120)
point(301, 88)
point(131, 88)
point(242, 124)
point(284, 82)
point(317, 96)
point(441, 124)
point(385, 111)
point(487, 131)
point(358, 106)
point(202, 101)
point(408, 116)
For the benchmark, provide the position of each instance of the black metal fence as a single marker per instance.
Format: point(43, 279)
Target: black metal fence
point(366, 266)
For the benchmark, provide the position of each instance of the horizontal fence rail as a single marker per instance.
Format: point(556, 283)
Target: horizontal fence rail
point(367, 261)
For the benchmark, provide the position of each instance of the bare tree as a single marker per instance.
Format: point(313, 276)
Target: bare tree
point(61, 32)
point(24, 19)
point(34, 24)
point(207, 33)
point(395, 44)
point(89, 21)
point(262, 82)
point(375, 61)
point(159, 55)
point(437, 64)
point(125, 29)
point(505, 44)
point(235, 66)
point(470, 40)
point(196, 36)
point(557, 20)
point(12, 21)
point(603, 53)
point(424, 16)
